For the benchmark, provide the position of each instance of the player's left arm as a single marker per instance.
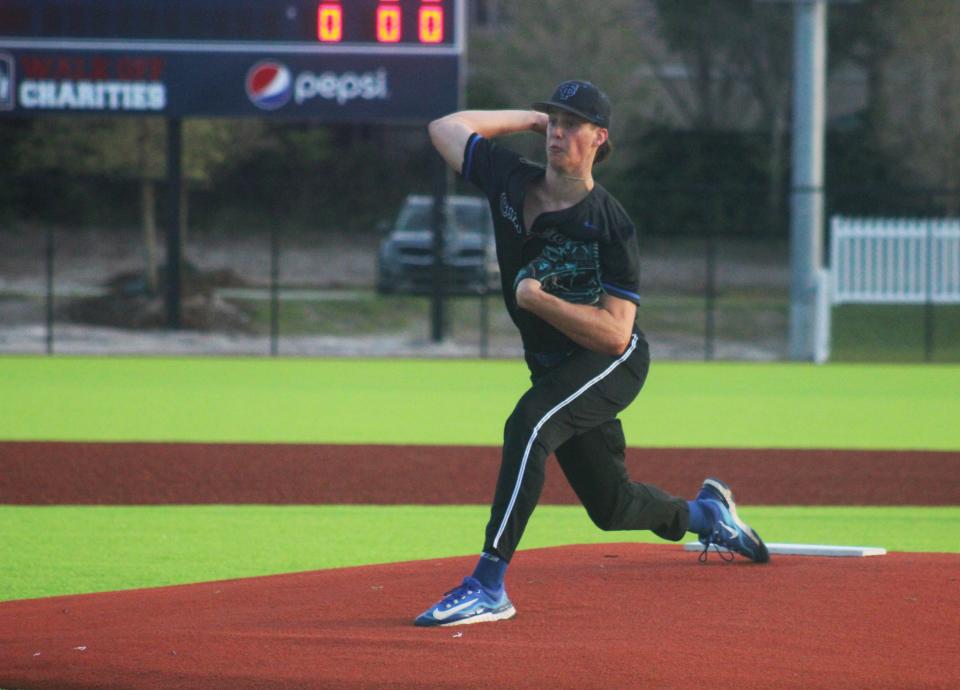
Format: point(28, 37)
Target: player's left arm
point(605, 327)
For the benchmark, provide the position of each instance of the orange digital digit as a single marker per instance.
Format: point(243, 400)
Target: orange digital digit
point(388, 23)
point(431, 24)
point(330, 22)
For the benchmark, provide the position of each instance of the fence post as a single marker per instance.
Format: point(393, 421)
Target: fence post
point(928, 299)
point(822, 319)
point(49, 305)
point(274, 289)
point(710, 293)
point(484, 323)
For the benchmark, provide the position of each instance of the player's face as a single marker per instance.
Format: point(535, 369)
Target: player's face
point(572, 142)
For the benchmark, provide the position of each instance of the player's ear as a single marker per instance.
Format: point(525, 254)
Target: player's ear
point(601, 136)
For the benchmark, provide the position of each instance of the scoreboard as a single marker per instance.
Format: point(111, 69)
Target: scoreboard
point(328, 60)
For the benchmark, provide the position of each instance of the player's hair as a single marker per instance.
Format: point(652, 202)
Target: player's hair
point(603, 153)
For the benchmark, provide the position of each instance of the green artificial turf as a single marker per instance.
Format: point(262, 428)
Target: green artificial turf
point(68, 549)
point(781, 405)
point(73, 549)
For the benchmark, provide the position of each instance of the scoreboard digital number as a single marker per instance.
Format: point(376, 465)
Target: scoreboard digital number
point(344, 22)
point(391, 23)
point(331, 60)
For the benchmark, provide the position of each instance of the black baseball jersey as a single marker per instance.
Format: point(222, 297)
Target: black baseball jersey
point(504, 176)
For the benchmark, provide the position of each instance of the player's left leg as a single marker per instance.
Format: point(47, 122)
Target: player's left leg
point(715, 520)
point(593, 463)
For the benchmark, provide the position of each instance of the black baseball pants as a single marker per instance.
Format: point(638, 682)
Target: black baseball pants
point(571, 410)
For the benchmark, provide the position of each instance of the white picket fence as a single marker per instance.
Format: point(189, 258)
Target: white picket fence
point(894, 261)
point(886, 261)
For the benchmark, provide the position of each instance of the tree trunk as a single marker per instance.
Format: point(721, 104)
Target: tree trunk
point(148, 211)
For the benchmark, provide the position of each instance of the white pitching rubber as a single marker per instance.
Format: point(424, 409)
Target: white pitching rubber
point(808, 550)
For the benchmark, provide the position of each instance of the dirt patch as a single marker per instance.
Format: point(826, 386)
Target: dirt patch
point(129, 302)
point(152, 473)
point(602, 616)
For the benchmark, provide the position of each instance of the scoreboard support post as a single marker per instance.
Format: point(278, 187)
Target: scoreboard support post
point(438, 224)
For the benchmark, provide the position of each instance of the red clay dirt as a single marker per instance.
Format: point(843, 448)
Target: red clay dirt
point(607, 616)
point(182, 473)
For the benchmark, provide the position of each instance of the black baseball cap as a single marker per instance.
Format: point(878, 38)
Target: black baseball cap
point(581, 98)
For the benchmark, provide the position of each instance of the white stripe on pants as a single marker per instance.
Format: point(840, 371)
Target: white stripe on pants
point(545, 419)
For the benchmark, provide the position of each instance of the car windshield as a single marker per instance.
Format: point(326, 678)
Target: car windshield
point(465, 218)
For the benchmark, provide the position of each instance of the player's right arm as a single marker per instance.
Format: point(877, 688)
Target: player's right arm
point(450, 133)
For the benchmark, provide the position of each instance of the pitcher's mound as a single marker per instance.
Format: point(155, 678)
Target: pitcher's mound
point(611, 616)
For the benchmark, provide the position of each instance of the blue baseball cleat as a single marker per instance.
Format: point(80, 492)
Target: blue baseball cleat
point(468, 603)
point(728, 530)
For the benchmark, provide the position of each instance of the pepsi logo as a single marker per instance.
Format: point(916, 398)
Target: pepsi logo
point(269, 85)
point(6, 81)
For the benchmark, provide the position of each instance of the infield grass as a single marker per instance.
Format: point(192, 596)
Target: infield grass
point(76, 549)
point(73, 549)
point(745, 405)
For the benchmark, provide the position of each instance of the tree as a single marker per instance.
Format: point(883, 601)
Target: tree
point(734, 60)
point(920, 93)
point(132, 148)
point(536, 45)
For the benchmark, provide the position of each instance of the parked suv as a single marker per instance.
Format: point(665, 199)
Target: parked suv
point(405, 262)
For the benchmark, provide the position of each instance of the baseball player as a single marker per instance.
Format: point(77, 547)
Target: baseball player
point(569, 264)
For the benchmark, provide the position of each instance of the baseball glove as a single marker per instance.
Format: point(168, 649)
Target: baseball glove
point(569, 270)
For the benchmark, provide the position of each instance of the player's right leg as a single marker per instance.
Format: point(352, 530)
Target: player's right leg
point(585, 391)
point(593, 463)
point(528, 440)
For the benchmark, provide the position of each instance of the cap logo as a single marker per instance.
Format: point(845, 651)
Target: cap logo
point(568, 90)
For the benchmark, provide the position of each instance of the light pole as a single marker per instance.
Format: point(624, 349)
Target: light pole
point(806, 194)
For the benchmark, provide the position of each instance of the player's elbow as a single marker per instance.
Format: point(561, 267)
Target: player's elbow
point(449, 135)
point(619, 324)
point(434, 129)
point(618, 341)
point(617, 345)
point(445, 128)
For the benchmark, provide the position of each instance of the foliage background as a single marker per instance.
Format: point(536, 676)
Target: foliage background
point(701, 90)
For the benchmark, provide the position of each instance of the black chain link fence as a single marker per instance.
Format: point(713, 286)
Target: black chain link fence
point(717, 288)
